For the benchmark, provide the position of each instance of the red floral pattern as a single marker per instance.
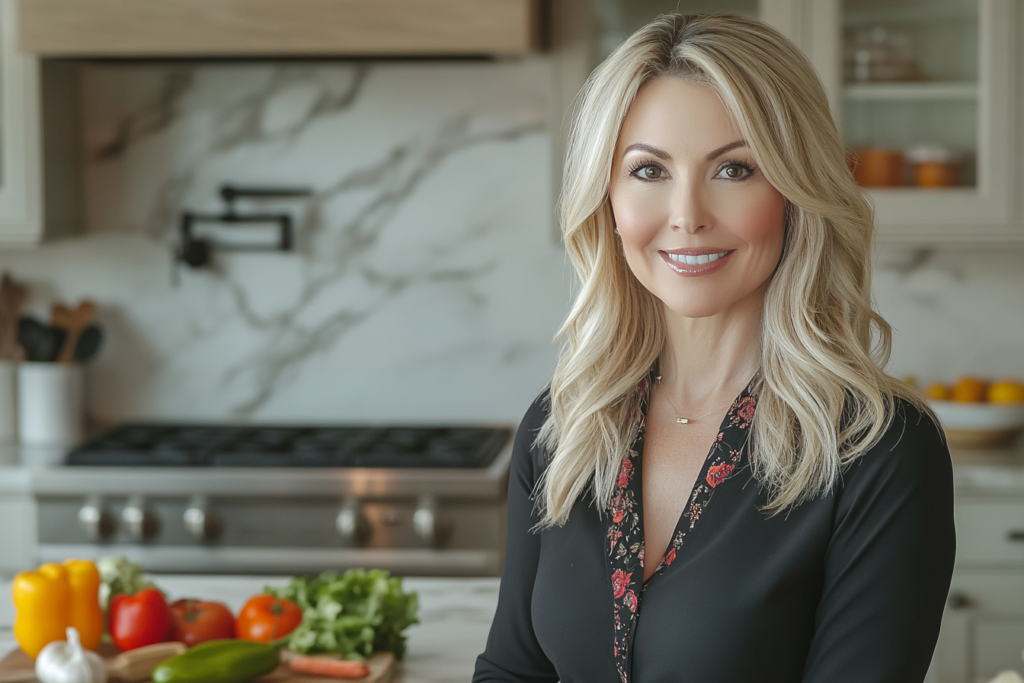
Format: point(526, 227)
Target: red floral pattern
point(717, 474)
point(625, 534)
point(620, 580)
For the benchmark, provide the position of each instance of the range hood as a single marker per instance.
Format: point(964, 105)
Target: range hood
point(277, 28)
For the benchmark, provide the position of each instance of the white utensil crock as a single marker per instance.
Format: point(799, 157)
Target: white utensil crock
point(8, 402)
point(51, 404)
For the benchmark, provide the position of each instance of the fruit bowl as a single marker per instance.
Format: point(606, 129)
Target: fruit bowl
point(979, 425)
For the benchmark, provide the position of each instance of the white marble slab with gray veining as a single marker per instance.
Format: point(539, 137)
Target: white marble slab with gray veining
point(425, 284)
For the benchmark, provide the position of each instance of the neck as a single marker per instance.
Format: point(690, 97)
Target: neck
point(709, 360)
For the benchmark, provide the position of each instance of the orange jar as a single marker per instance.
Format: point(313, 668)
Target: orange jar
point(879, 167)
point(935, 167)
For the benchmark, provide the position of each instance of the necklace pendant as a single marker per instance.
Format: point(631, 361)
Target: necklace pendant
point(682, 420)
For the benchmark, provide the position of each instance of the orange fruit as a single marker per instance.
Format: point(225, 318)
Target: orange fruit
point(911, 380)
point(1006, 391)
point(937, 391)
point(969, 390)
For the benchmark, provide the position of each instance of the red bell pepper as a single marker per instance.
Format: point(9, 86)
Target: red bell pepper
point(139, 620)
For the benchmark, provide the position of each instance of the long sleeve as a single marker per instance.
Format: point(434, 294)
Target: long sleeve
point(889, 562)
point(513, 654)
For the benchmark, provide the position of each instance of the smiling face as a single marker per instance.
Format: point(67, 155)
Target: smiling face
point(701, 227)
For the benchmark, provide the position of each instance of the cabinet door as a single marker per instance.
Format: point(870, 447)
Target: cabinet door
point(982, 628)
point(21, 219)
point(924, 93)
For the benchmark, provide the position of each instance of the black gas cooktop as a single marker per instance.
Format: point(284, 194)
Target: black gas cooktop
point(162, 445)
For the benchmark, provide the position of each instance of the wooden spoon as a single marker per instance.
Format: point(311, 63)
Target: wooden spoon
point(74, 321)
point(12, 296)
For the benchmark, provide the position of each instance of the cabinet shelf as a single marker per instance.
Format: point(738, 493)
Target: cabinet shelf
point(907, 14)
point(935, 91)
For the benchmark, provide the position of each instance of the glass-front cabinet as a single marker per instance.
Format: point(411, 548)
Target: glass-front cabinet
point(924, 92)
point(925, 103)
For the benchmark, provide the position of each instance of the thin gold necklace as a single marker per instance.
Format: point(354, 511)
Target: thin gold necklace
point(683, 420)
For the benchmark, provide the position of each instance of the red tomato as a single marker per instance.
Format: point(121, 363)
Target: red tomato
point(265, 618)
point(139, 620)
point(196, 621)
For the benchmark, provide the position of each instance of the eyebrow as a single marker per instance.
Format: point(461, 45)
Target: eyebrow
point(662, 154)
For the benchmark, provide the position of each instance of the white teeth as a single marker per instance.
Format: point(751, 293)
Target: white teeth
point(696, 260)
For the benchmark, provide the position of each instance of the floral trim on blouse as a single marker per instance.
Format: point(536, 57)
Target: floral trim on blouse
point(625, 536)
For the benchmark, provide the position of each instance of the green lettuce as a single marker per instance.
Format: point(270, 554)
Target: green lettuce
point(353, 614)
point(120, 576)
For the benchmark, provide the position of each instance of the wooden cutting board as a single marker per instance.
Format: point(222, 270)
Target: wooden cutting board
point(17, 667)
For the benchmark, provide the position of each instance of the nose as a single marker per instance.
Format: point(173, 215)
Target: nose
point(690, 212)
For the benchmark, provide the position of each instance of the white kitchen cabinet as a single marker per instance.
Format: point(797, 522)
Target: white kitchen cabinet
point(39, 152)
point(963, 98)
point(21, 191)
point(983, 625)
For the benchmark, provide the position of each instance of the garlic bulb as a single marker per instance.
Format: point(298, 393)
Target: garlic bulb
point(61, 662)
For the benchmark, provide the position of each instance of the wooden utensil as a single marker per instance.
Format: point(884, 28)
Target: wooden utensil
point(12, 296)
point(74, 321)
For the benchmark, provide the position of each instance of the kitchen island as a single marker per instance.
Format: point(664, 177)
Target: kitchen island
point(455, 615)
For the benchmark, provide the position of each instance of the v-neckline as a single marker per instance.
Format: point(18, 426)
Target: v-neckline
point(625, 530)
point(715, 468)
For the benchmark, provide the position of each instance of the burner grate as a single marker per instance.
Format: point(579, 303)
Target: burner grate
point(155, 445)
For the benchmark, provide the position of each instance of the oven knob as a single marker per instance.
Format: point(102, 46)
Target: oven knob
point(142, 524)
point(201, 522)
point(96, 520)
point(352, 523)
point(425, 521)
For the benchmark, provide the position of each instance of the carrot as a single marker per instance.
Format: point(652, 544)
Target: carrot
point(338, 668)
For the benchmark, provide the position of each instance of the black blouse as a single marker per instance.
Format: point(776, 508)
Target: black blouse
point(847, 588)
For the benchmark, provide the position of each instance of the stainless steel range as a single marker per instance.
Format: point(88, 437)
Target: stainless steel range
point(260, 499)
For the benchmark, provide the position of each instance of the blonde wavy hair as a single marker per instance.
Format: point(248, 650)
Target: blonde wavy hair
point(824, 399)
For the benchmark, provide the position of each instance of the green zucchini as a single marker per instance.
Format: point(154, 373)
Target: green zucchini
point(219, 661)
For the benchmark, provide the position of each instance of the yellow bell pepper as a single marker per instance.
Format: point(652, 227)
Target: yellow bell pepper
point(86, 615)
point(54, 597)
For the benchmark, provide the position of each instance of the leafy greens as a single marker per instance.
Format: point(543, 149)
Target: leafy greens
point(353, 614)
point(120, 576)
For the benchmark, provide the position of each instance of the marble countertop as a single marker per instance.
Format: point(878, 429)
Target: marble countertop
point(455, 616)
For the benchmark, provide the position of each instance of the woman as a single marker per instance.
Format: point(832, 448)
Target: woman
point(721, 485)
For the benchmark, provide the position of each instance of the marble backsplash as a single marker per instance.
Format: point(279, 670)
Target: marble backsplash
point(953, 311)
point(425, 284)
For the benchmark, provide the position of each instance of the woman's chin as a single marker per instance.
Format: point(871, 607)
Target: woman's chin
point(693, 307)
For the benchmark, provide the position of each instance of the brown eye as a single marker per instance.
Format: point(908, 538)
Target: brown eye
point(734, 172)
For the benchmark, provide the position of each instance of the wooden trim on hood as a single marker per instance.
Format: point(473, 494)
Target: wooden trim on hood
point(278, 28)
